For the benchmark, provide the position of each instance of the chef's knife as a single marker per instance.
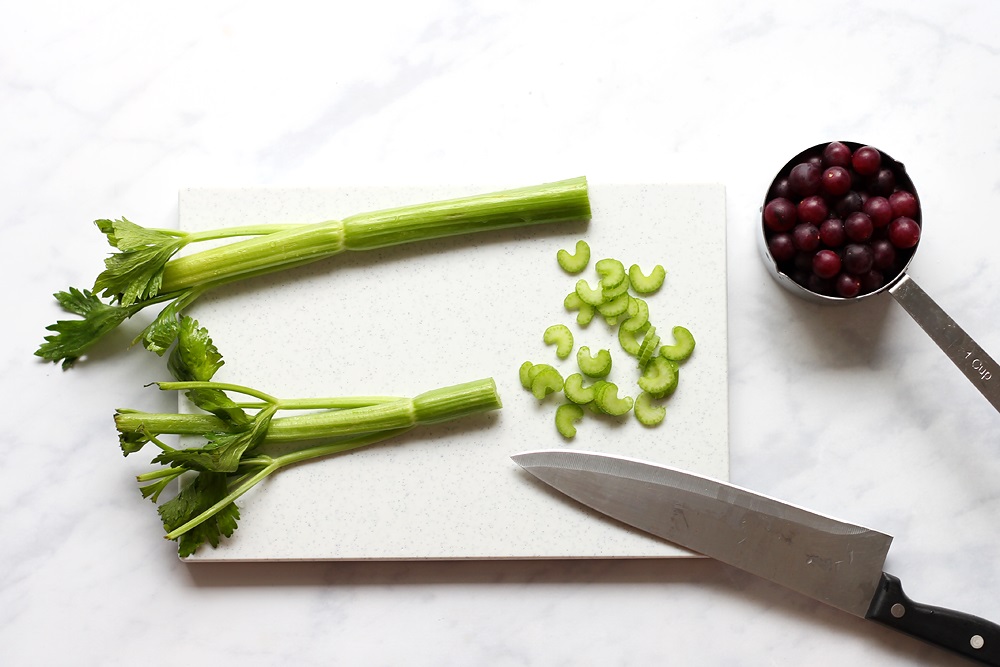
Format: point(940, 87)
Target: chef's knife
point(835, 562)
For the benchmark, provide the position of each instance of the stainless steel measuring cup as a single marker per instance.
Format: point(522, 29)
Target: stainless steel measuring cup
point(967, 355)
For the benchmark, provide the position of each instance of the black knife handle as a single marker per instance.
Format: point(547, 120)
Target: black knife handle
point(965, 634)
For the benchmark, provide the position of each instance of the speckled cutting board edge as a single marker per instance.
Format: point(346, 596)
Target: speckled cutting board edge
point(402, 320)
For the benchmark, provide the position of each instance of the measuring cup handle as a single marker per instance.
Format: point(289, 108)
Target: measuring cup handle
point(971, 359)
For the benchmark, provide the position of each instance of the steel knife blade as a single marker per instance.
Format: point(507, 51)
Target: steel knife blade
point(833, 561)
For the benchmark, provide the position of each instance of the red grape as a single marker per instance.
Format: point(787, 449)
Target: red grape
point(836, 181)
point(826, 264)
point(837, 154)
point(872, 280)
point(812, 210)
point(904, 232)
point(849, 203)
point(858, 227)
point(866, 160)
point(903, 204)
point(858, 259)
point(804, 179)
point(781, 189)
point(884, 183)
point(879, 210)
point(884, 254)
point(782, 248)
point(806, 237)
point(847, 286)
point(831, 232)
point(780, 215)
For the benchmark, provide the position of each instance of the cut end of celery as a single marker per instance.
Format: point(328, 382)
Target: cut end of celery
point(457, 401)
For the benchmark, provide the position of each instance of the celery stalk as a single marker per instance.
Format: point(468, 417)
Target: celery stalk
point(237, 452)
point(149, 268)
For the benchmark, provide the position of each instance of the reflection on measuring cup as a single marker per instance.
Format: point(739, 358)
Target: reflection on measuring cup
point(840, 223)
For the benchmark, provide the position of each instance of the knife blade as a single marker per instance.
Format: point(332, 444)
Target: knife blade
point(833, 561)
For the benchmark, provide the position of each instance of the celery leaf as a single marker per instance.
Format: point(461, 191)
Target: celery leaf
point(136, 273)
point(73, 337)
point(195, 358)
point(207, 489)
point(161, 333)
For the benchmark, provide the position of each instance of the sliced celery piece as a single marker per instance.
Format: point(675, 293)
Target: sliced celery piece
point(577, 262)
point(648, 347)
point(615, 307)
point(647, 412)
point(646, 284)
point(575, 391)
point(588, 294)
point(524, 373)
point(628, 342)
point(606, 398)
point(560, 336)
point(595, 366)
point(585, 312)
point(660, 377)
point(611, 271)
point(683, 347)
point(567, 415)
point(546, 381)
point(639, 318)
point(612, 292)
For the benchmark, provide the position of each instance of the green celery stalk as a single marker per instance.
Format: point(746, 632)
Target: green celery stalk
point(149, 269)
point(551, 202)
point(237, 451)
point(364, 414)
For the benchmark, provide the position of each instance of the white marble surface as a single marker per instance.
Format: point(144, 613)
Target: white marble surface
point(110, 108)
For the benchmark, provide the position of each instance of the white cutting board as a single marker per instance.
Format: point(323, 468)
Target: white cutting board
point(403, 320)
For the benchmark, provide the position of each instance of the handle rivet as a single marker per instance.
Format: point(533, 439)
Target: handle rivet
point(897, 610)
point(977, 641)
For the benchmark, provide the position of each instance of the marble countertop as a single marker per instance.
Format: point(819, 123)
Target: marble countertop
point(110, 108)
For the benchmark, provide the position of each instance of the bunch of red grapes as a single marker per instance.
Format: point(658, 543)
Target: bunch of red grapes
point(842, 222)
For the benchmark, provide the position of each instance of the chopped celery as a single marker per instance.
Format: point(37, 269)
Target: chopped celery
point(647, 412)
point(660, 377)
point(573, 301)
point(621, 288)
point(628, 342)
point(612, 273)
point(615, 306)
point(546, 381)
point(575, 391)
point(595, 366)
point(683, 347)
point(606, 398)
point(561, 337)
point(648, 347)
point(567, 415)
point(577, 262)
point(585, 312)
point(639, 318)
point(588, 294)
point(525, 375)
point(613, 299)
point(646, 284)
